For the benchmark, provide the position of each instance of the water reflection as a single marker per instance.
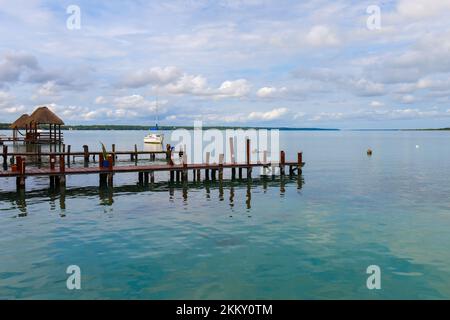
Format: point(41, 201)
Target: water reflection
point(57, 196)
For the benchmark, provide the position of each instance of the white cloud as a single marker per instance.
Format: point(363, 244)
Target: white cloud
point(271, 92)
point(136, 103)
point(376, 104)
point(269, 115)
point(100, 100)
point(156, 76)
point(321, 35)
point(422, 8)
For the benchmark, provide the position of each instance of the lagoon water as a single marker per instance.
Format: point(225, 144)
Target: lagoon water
point(307, 239)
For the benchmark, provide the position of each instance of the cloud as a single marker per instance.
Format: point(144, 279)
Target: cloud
point(100, 100)
point(137, 102)
point(376, 104)
point(8, 104)
point(14, 64)
point(269, 115)
point(321, 35)
point(420, 9)
point(271, 92)
point(156, 76)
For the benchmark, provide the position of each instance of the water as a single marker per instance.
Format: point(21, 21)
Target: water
point(308, 239)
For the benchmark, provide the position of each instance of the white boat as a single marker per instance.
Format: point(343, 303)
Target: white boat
point(154, 138)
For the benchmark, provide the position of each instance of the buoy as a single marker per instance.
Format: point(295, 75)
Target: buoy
point(369, 152)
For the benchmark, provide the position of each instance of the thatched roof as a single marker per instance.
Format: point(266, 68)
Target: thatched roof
point(44, 115)
point(21, 122)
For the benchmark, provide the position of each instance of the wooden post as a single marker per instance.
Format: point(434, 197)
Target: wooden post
point(110, 162)
point(52, 161)
point(62, 169)
point(86, 153)
point(233, 156)
point(248, 151)
point(282, 162)
point(62, 165)
point(100, 160)
point(21, 167)
point(299, 162)
point(146, 178)
point(113, 149)
point(233, 173)
point(68, 154)
point(172, 174)
point(141, 177)
point(221, 159)
point(135, 152)
point(199, 177)
point(240, 173)
point(152, 177)
point(5, 157)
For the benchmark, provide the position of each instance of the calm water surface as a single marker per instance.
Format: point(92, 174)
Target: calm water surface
point(311, 238)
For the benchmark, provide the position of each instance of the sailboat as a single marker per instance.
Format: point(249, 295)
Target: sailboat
point(154, 137)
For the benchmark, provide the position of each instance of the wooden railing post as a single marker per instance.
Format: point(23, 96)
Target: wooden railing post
point(86, 153)
point(248, 151)
point(5, 157)
point(52, 162)
point(282, 162)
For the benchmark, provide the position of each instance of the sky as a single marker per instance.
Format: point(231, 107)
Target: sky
point(330, 64)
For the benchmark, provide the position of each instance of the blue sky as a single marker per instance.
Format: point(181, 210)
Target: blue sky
point(229, 62)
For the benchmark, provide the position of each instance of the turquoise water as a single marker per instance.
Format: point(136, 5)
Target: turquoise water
point(311, 238)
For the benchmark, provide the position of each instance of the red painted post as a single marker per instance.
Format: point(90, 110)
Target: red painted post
point(52, 162)
point(110, 162)
point(19, 164)
point(22, 166)
point(62, 164)
point(248, 151)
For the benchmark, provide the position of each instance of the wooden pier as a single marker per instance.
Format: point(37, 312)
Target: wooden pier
point(146, 173)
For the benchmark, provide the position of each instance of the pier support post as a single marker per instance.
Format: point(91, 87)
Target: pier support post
point(172, 174)
point(178, 176)
point(206, 174)
point(240, 173)
point(299, 163)
point(20, 180)
point(233, 173)
point(86, 153)
point(141, 178)
point(152, 177)
point(146, 178)
point(68, 154)
point(213, 174)
point(135, 153)
point(5, 157)
point(62, 170)
point(249, 172)
point(221, 160)
point(199, 175)
point(282, 162)
point(248, 151)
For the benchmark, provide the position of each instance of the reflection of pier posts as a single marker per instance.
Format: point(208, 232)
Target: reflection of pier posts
point(232, 197)
point(248, 200)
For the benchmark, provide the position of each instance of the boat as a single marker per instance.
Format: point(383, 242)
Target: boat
point(154, 137)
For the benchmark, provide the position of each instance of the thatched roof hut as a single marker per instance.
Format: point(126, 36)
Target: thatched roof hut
point(44, 115)
point(21, 122)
